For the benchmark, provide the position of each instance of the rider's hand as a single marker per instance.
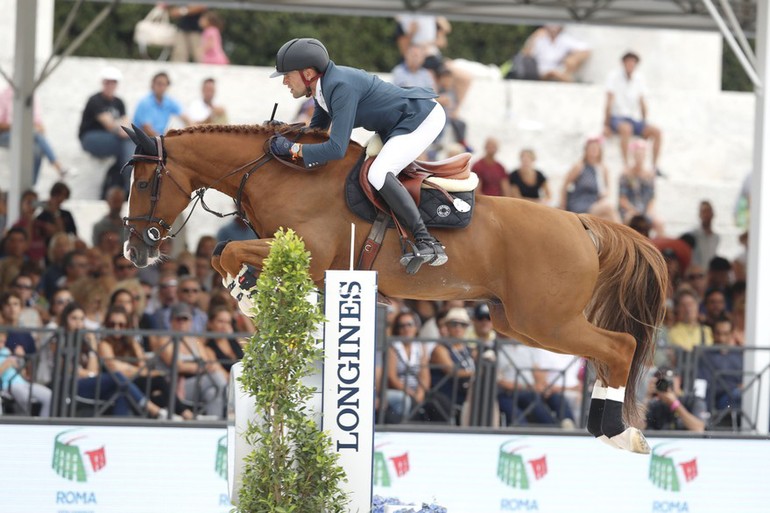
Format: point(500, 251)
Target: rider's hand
point(280, 146)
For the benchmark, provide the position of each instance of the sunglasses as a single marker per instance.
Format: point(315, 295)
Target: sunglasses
point(114, 325)
point(456, 324)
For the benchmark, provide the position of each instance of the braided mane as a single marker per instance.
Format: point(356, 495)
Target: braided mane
point(241, 129)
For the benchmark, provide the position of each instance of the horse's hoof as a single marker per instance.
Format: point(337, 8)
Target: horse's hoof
point(632, 440)
point(608, 441)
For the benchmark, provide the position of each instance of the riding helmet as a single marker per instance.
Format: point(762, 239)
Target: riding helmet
point(301, 53)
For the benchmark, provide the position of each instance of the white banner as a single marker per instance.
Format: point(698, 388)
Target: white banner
point(100, 469)
point(348, 390)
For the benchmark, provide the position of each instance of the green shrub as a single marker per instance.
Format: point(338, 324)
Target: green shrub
point(293, 468)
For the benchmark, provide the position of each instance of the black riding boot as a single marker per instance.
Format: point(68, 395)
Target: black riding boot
point(426, 249)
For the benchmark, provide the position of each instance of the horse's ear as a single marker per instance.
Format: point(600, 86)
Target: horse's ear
point(131, 134)
point(145, 142)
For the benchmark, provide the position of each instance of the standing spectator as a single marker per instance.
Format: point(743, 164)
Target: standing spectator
point(558, 55)
point(637, 190)
point(706, 241)
point(527, 182)
point(211, 39)
point(688, 332)
point(187, 45)
point(101, 133)
point(493, 181)
point(203, 110)
point(626, 111)
point(585, 186)
point(42, 147)
point(54, 219)
point(154, 111)
point(113, 221)
point(411, 73)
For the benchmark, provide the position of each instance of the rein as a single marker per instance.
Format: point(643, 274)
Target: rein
point(151, 235)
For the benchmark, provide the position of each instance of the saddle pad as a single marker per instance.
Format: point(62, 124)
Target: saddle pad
point(435, 208)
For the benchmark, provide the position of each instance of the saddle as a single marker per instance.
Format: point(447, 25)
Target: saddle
point(442, 190)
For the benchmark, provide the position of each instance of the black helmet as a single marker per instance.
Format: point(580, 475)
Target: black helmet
point(299, 54)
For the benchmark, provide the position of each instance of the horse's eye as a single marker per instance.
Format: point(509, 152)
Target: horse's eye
point(142, 185)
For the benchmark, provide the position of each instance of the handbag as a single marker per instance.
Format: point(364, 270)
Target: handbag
point(155, 29)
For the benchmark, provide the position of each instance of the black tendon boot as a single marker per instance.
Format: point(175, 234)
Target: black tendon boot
point(426, 249)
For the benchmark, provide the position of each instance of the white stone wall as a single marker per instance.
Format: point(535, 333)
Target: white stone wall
point(708, 134)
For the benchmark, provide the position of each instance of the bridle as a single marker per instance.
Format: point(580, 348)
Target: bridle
point(151, 235)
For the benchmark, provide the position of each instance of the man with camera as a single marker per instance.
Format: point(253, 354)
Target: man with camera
point(668, 408)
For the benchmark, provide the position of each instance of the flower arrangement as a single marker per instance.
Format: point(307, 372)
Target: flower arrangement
point(387, 504)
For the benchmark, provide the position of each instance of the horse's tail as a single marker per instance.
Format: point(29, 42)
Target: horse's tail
point(629, 297)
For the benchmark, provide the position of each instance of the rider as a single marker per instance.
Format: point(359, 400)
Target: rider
point(407, 119)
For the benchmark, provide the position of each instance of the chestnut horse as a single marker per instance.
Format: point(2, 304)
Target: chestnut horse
point(568, 283)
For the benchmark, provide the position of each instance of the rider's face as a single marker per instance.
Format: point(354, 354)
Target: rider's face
point(293, 80)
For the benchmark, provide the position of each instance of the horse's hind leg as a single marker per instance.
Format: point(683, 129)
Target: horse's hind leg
point(614, 353)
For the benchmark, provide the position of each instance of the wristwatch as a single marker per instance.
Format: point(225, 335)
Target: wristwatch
point(295, 149)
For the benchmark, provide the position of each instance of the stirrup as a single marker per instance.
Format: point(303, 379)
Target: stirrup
point(411, 260)
point(432, 253)
point(437, 256)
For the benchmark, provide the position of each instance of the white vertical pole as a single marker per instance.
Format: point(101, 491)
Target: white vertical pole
point(348, 378)
point(22, 130)
point(758, 286)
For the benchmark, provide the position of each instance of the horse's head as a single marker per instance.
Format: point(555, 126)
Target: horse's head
point(155, 200)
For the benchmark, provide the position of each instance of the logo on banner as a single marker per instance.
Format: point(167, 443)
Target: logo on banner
point(670, 469)
point(220, 464)
point(76, 456)
point(389, 464)
point(519, 465)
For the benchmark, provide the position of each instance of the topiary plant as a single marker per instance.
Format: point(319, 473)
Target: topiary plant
point(292, 468)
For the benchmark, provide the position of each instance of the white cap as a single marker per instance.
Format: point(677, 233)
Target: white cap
point(112, 73)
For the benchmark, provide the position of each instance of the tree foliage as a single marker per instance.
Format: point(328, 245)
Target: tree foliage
point(292, 468)
point(252, 38)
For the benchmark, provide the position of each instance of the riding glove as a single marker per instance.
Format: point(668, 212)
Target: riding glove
point(280, 146)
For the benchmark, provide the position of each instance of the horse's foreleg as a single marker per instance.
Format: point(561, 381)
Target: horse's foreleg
point(239, 264)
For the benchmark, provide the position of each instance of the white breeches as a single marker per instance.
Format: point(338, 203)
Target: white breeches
point(401, 150)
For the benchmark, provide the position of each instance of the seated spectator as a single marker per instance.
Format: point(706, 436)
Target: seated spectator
point(681, 248)
point(154, 111)
point(738, 313)
point(227, 349)
point(706, 240)
point(202, 378)
point(10, 313)
point(493, 181)
point(557, 54)
point(188, 292)
point(625, 112)
point(101, 133)
point(688, 332)
point(722, 368)
point(203, 110)
point(719, 274)
point(123, 354)
point(30, 317)
point(408, 374)
point(637, 190)
point(411, 73)
point(13, 380)
point(527, 182)
point(112, 222)
point(36, 244)
point(452, 367)
point(669, 408)
point(14, 254)
point(131, 300)
point(695, 277)
point(585, 188)
point(61, 245)
point(54, 219)
point(113, 388)
point(714, 307)
point(559, 375)
point(523, 396)
point(45, 365)
point(42, 146)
